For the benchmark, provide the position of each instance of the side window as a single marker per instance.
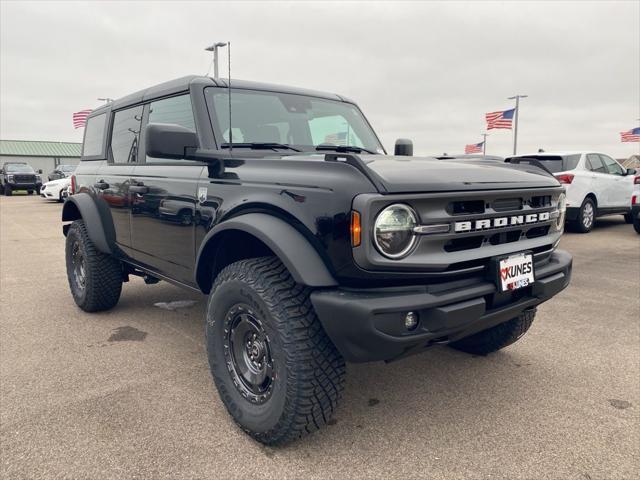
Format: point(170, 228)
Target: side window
point(595, 164)
point(613, 166)
point(177, 110)
point(94, 136)
point(125, 136)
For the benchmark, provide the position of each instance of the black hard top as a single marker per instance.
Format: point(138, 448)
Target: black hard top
point(183, 84)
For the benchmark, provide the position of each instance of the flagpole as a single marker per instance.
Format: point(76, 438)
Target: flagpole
point(517, 98)
point(484, 144)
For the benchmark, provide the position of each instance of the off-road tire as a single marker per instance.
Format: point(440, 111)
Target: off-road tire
point(7, 190)
point(498, 337)
point(579, 224)
point(103, 274)
point(628, 218)
point(309, 371)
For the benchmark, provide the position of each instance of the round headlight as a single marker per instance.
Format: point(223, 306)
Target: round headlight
point(562, 208)
point(393, 231)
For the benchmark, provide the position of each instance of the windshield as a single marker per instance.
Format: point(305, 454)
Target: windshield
point(556, 163)
point(296, 120)
point(18, 168)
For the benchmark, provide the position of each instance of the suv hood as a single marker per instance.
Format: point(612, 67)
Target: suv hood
point(420, 174)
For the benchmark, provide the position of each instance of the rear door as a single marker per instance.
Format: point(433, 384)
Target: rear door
point(603, 184)
point(114, 178)
point(164, 204)
point(622, 184)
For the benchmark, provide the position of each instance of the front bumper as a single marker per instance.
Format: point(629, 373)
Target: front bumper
point(368, 325)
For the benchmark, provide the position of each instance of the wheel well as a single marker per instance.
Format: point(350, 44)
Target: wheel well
point(226, 248)
point(70, 212)
point(592, 196)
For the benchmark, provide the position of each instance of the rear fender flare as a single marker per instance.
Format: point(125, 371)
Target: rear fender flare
point(96, 217)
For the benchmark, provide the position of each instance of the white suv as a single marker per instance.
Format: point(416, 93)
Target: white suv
point(596, 184)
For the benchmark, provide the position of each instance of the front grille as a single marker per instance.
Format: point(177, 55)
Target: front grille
point(24, 178)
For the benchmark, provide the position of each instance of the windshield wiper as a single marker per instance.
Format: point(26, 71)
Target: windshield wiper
point(260, 146)
point(344, 148)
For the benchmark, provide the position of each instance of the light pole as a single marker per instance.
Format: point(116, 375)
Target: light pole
point(214, 48)
point(517, 98)
point(484, 144)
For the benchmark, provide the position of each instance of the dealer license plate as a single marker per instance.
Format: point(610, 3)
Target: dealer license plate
point(516, 271)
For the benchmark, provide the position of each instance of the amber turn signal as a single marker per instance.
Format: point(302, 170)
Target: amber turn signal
point(356, 229)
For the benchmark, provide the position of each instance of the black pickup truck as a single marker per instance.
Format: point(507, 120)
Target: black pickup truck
point(314, 246)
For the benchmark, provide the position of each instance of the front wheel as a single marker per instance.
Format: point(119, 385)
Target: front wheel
point(95, 278)
point(498, 337)
point(277, 372)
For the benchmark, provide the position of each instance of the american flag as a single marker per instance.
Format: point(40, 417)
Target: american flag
point(632, 135)
point(336, 138)
point(500, 119)
point(473, 148)
point(80, 118)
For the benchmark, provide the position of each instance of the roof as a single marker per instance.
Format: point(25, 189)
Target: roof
point(28, 148)
point(181, 84)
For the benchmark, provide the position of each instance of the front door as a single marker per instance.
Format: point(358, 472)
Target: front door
point(164, 200)
point(623, 184)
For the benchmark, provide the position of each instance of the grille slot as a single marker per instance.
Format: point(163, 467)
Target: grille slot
point(464, 243)
point(467, 207)
point(540, 201)
point(536, 232)
point(506, 204)
point(505, 237)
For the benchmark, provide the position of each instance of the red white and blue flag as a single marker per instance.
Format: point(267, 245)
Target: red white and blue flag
point(473, 148)
point(502, 119)
point(80, 118)
point(632, 135)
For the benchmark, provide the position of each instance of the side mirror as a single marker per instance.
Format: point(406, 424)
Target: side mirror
point(40, 171)
point(167, 140)
point(631, 171)
point(404, 147)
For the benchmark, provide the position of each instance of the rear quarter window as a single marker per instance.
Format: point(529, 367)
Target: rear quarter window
point(93, 144)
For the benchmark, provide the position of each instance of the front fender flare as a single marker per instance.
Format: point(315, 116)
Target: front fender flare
point(289, 245)
point(97, 220)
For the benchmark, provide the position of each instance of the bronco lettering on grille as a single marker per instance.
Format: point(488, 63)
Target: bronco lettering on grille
point(488, 223)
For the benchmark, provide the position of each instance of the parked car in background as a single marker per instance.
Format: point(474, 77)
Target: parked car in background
point(635, 204)
point(470, 156)
point(62, 171)
point(19, 176)
point(54, 189)
point(596, 184)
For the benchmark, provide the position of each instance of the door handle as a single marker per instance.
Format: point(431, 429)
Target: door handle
point(101, 185)
point(139, 188)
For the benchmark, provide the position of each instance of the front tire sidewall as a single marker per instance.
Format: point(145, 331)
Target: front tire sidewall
point(251, 417)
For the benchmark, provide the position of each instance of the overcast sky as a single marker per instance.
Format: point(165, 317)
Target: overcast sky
point(426, 71)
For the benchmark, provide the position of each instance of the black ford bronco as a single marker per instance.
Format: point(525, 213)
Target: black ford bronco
point(314, 246)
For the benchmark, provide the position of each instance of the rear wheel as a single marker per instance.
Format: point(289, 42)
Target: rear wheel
point(636, 225)
point(277, 372)
point(95, 278)
point(628, 218)
point(29, 192)
point(498, 337)
point(7, 190)
point(586, 216)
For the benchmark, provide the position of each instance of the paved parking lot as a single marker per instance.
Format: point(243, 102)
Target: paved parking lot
point(127, 393)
